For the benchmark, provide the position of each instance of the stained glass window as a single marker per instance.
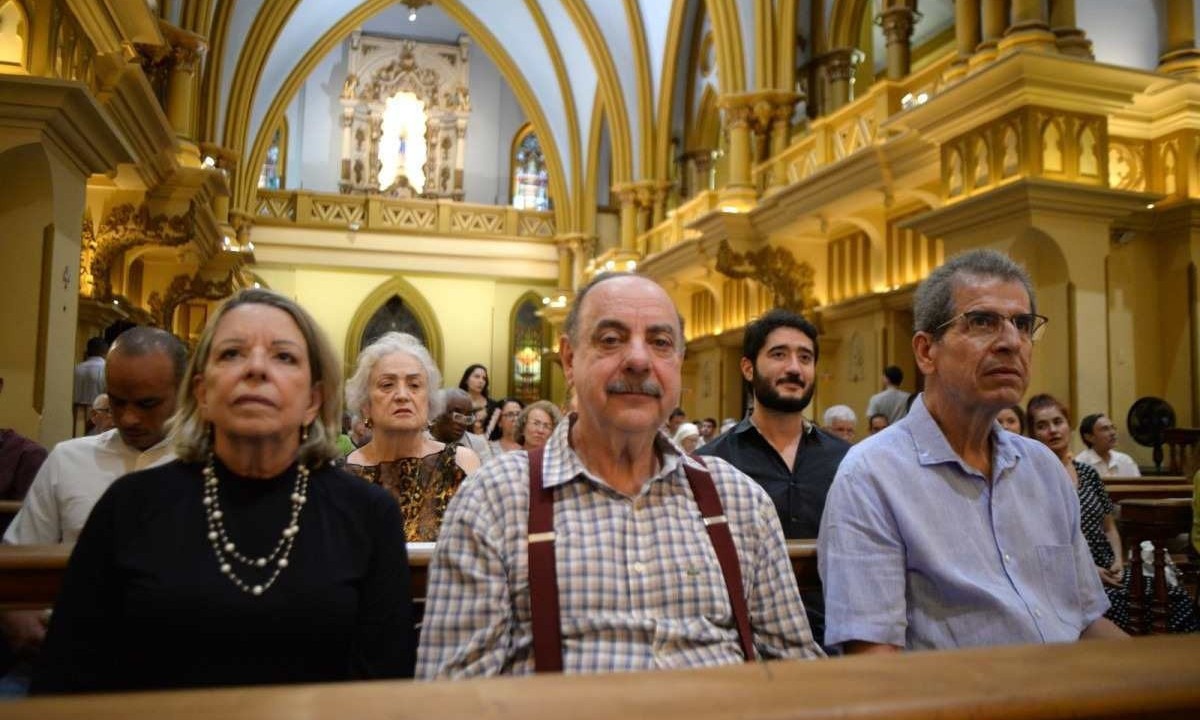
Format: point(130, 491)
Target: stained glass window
point(271, 176)
point(527, 336)
point(530, 181)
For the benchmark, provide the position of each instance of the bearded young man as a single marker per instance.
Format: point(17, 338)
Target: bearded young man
point(794, 460)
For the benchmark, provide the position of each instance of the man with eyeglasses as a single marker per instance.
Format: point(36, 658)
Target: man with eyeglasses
point(454, 424)
point(944, 532)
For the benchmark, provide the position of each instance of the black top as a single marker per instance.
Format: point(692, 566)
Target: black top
point(144, 604)
point(799, 493)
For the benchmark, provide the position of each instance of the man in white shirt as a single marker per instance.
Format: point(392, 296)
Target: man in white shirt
point(143, 372)
point(1100, 436)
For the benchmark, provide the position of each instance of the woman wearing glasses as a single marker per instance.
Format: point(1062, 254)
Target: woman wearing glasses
point(503, 429)
point(536, 423)
point(394, 388)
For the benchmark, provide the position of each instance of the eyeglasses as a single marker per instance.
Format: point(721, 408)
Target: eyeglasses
point(460, 418)
point(539, 424)
point(510, 415)
point(987, 324)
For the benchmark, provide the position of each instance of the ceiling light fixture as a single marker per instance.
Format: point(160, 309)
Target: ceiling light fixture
point(413, 6)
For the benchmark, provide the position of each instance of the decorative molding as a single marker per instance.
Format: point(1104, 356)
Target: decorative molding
point(776, 268)
point(126, 227)
point(192, 287)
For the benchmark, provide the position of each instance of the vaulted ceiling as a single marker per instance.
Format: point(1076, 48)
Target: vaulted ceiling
point(572, 64)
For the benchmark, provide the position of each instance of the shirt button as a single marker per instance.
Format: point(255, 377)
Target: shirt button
point(639, 568)
point(1007, 558)
point(1037, 613)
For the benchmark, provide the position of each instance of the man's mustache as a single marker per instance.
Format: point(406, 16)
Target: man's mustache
point(794, 379)
point(624, 387)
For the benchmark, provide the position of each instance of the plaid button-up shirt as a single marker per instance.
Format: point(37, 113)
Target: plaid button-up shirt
point(639, 583)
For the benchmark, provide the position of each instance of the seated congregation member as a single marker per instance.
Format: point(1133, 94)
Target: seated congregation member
point(687, 437)
point(143, 371)
point(395, 388)
point(945, 532)
point(1012, 419)
point(876, 423)
point(250, 560)
point(503, 435)
point(791, 458)
point(453, 425)
point(536, 422)
point(474, 382)
point(20, 460)
point(1100, 436)
point(708, 429)
point(100, 416)
point(840, 420)
point(1048, 422)
point(614, 510)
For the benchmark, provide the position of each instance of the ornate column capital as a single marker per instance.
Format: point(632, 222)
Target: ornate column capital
point(840, 63)
point(186, 47)
point(897, 23)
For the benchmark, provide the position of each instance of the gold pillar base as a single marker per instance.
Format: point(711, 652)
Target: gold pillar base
point(1032, 35)
point(189, 153)
point(985, 54)
point(957, 69)
point(1181, 63)
point(737, 199)
point(1073, 41)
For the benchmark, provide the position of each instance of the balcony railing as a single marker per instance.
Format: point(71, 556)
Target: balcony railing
point(374, 213)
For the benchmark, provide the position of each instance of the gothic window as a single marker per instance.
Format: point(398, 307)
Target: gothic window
point(271, 177)
point(530, 181)
point(14, 33)
point(396, 316)
point(527, 336)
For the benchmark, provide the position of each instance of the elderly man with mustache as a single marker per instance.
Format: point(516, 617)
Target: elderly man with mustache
point(609, 548)
point(792, 458)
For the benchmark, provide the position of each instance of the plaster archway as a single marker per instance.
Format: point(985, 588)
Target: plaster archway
point(413, 300)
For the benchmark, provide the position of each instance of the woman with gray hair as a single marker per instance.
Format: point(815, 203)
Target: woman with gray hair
point(395, 388)
point(250, 559)
point(536, 423)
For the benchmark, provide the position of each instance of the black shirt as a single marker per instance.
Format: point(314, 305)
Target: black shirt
point(144, 604)
point(798, 494)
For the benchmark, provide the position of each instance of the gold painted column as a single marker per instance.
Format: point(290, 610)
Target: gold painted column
point(1030, 28)
point(1180, 56)
point(1071, 39)
point(565, 245)
point(186, 50)
point(645, 204)
point(966, 36)
point(782, 109)
point(839, 66)
point(627, 194)
point(738, 194)
point(661, 190)
point(992, 26)
point(897, 22)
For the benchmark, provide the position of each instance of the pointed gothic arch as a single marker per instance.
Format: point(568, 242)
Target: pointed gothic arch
point(412, 301)
point(528, 375)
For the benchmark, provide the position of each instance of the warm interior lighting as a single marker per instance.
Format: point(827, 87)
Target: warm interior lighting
point(402, 148)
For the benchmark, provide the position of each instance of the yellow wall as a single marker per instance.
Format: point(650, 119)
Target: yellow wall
point(472, 313)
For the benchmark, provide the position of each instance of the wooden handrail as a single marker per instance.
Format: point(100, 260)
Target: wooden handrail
point(1147, 677)
point(1148, 491)
point(31, 575)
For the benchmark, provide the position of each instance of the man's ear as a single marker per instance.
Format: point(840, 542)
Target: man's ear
point(925, 350)
point(747, 366)
point(567, 354)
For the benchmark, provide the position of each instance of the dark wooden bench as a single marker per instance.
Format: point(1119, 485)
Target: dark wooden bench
point(1148, 491)
point(1117, 679)
point(1159, 521)
point(1148, 480)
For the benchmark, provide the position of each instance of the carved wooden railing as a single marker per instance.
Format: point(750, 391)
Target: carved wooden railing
point(375, 213)
point(674, 230)
point(1147, 677)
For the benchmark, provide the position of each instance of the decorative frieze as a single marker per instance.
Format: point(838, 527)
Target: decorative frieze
point(792, 282)
point(124, 228)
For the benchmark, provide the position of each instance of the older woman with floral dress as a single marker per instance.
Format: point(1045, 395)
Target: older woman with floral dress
point(394, 388)
point(250, 560)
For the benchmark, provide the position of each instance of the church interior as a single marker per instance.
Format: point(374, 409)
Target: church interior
point(458, 168)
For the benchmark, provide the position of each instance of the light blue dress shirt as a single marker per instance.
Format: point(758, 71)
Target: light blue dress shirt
point(917, 550)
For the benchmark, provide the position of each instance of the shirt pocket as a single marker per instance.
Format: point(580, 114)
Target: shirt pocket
point(1060, 582)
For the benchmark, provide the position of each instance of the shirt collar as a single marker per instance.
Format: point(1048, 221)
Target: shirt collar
point(562, 464)
point(809, 435)
point(111, 440)
point(933, 448)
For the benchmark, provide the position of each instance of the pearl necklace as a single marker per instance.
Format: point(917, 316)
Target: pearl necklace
point(226, 551)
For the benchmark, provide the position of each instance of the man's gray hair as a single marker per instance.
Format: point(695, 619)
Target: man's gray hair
point(452, 393)
point(100, 397)
point(933, 304)
point(358, 387)
point(840, 412)
point(571, 324)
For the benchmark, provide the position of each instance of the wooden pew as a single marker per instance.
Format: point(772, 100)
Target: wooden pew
point(31, 575)
point(1148, 491)
point(1115, 679)
point(1157, 521)
point(1148, 480)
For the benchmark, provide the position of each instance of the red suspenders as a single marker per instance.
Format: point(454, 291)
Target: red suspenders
point(543, 578)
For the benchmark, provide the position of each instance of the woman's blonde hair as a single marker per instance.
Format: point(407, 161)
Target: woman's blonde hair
point(193, 442)
point(358, 390)
point(545, 406)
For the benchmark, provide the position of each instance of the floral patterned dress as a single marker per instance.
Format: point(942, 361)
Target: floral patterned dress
point(423, 486)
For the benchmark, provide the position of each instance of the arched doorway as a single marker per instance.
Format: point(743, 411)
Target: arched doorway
point(528, 380)
point(393, 306)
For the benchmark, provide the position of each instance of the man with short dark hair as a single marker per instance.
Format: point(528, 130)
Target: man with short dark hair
point(946, 531)
point(877, 422)
point(790, 457)
point(678, 417)
point(708, 430)
point(891, 402)
point(453, 426)
point(608, 549)
point(143, 372)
